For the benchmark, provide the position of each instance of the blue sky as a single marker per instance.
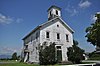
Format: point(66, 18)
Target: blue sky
point(19, 17)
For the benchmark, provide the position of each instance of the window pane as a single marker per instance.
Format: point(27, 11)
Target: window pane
point(47, 34)
point(58, 36)
point(67, 37)
point(36, 35)
point(50, 13)
point(56, 12)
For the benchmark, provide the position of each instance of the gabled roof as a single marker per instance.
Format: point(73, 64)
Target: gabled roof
point(53, 6)
point(38, 27)
point(63, 22)
point(31, 32)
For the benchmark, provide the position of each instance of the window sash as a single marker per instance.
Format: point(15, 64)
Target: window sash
point(47, 34)
point(56, 12)
point(67, 37)
point(36, 35)
point(58, 36)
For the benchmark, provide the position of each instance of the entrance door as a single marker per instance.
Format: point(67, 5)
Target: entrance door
point(59, 54)
point(27, 57)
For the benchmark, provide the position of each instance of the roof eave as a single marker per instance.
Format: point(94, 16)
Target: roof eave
point(31, 32)
point(54, 7)
point(67, 25)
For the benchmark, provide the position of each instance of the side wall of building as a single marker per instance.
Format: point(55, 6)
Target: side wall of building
point(31, 46)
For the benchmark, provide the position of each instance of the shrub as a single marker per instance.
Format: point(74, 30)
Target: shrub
point(75, 54)
point(94, 56)
point(47, 54)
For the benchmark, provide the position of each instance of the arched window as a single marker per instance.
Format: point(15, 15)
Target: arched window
point(50, 13)
point(56, 12)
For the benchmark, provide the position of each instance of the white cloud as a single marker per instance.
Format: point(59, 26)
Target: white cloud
point(74, 12)
point(9, 50)
point(75, 9)
point(93, 18)
point(71, 10)
point(98, 12)
point(84, 4)
point(19, 20)
point(7, 20)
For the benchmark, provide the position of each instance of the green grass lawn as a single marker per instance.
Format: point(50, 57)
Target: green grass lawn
point(14, 63)
point(23, 64)
point(17, 64)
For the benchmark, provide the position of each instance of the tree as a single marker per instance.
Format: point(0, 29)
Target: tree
point(75, 54)
point(47, 54)
point(18, 57)
point(14, 56)
point(93, 32)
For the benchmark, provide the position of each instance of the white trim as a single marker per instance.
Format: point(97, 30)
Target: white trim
point(61, 20)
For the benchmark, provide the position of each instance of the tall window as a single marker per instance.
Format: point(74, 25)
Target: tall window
point(47, 34)
point(50, 13)
point(67, 37)
point(58, 36)
point(36, 35)
point(56, 12)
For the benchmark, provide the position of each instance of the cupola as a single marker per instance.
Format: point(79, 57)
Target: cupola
point(53, 12)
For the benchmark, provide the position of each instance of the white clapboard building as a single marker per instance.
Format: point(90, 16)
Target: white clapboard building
point(54, 30)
